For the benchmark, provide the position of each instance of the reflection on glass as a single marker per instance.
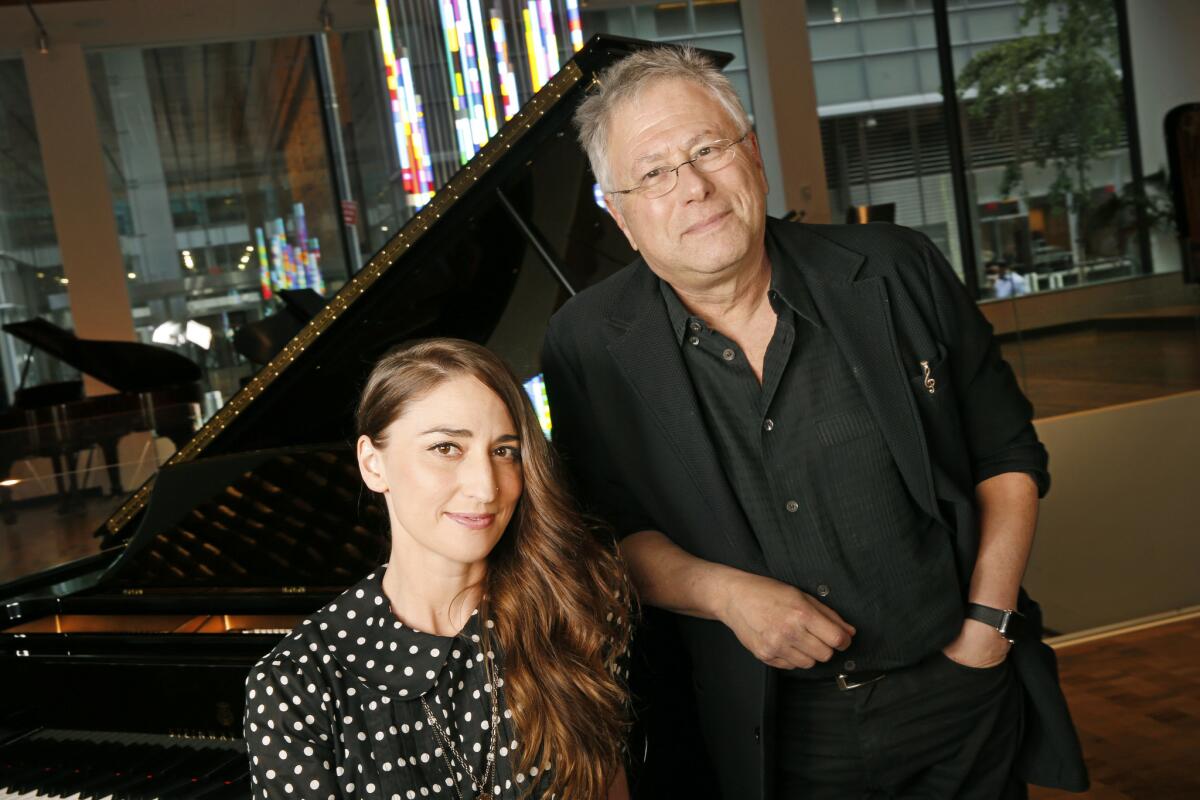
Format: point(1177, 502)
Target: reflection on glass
point(218, 166)
point(709, 25)
point(1046, 142)
point(883, 132)
point(32, 283)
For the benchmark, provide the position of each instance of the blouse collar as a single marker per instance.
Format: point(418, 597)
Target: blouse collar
point(368, 641)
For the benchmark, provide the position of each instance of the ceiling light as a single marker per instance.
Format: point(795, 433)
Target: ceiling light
point(131, 275)
point(199, 334)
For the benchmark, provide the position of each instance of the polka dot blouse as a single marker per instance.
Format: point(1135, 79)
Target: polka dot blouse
point(334, 711)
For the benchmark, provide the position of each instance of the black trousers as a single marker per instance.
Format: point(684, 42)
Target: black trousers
point(937, 730)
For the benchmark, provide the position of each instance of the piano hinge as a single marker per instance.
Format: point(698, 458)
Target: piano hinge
point(133, 592)
point(294, 589)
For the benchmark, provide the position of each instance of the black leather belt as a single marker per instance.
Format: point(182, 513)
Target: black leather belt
point(856, 680)
point(843, 681)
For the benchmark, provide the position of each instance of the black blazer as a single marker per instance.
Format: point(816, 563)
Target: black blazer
point(629, 427)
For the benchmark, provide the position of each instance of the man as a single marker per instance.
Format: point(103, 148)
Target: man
point(814, 457)
point(1005, 282)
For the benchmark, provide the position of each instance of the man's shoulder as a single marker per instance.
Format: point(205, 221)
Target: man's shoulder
point(878, 241)
point(606, 300)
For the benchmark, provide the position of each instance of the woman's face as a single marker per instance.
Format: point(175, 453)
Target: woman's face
point(450, 471)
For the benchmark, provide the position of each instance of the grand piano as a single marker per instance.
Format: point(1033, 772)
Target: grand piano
point(123, 673)
point(156, 390)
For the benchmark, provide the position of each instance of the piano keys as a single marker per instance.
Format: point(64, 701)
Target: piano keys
point(76, 765)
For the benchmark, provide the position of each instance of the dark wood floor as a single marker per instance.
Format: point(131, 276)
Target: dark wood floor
point(1135, 698)
point(1082, 370)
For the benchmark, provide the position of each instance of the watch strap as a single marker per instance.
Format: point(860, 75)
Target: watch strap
point(1011, 624)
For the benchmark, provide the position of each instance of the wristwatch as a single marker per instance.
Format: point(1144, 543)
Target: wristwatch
point(1011, 624)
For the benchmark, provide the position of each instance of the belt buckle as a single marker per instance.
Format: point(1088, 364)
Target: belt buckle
point(846, 685)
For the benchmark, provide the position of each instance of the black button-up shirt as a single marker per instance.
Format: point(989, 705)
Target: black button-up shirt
point(817, 483)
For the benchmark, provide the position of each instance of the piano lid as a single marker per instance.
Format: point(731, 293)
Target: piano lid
point(295, 519)
point(494, 253)
point(125, 366)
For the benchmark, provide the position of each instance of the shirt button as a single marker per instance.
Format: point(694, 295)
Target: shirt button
point(792, 506)
point(727, 354)
point(823, 590)
point(768, 425)
point(850, 666)
point(694, 325)
point(693, 340)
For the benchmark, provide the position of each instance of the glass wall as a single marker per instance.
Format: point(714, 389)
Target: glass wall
point(1050, 184)
point(1046, 145)
point(1043, 124)
point(708, 25)
point(32, 283)
point(224, 196)
point(378, 203)
point(883, 126)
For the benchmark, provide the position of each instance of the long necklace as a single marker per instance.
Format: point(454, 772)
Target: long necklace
point(449, 749)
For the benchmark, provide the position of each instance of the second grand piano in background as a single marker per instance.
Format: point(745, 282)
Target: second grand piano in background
point(157, 391)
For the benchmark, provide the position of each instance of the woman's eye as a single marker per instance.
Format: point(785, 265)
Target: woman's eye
point(652, 174)
point(445, 448)
point(704, 151)
point(507, 452)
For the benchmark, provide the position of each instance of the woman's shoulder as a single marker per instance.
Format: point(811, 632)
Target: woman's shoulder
point(305, 645)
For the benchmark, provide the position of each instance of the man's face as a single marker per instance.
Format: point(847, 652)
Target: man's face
point(709, 222)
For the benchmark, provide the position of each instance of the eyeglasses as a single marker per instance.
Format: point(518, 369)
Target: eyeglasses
point(705, 158)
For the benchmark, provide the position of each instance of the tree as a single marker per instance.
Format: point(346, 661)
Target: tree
point(1056, 94)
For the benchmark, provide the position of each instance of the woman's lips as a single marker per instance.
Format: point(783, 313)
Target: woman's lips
point(475, 522)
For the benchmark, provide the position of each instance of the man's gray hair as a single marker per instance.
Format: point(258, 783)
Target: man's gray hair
point(627, 78)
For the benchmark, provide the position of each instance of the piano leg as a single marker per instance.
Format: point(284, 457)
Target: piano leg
point(6, 502)
point(108, 448)
point(66, 480)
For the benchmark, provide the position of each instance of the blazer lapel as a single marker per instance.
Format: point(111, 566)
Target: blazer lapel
point(858, 313)
point(647, 353)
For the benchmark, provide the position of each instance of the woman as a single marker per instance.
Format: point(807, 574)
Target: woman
point(480, 661)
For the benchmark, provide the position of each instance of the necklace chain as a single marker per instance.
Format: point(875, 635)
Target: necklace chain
point(480, 784)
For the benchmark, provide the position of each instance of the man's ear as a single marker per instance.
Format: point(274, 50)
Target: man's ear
point(370, 465)
point(614, 208)
point(756, 150)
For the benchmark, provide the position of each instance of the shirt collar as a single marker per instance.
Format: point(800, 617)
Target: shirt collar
point(368, 641)
point(787, 283)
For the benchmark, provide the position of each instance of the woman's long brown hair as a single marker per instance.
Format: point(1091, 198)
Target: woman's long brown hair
point(556, 589)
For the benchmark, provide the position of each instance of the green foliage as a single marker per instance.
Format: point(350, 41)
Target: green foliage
point(1055, 93)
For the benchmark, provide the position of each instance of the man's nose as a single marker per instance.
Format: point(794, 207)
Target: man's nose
point(692, 183)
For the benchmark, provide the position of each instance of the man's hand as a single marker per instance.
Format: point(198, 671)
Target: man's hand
point(778, 623)
point(782, 626)
point(978, 645)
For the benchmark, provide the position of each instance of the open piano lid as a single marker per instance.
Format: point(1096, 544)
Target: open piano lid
point(522, 210)
point(525, 204)
point(125, 366)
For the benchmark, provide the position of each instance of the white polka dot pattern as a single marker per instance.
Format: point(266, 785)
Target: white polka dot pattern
point(334, 710)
